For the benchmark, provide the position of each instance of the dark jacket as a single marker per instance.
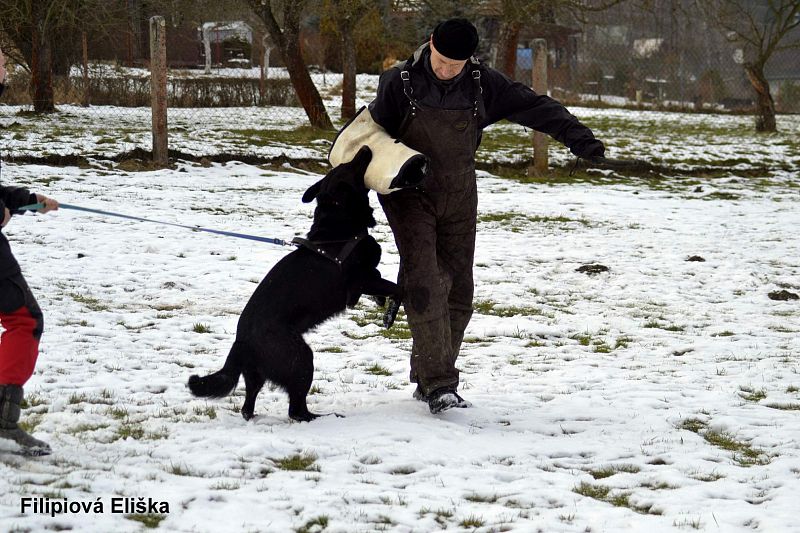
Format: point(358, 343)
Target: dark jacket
point(12, 198)
point(502, 99)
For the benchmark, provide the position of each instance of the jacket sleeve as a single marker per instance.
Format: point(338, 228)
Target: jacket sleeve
point(389, 106)
point(518, 103)
point(15, 197)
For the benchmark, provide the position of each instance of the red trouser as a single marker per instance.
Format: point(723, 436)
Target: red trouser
point(21, 319)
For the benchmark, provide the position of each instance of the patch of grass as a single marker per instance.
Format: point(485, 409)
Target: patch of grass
point(472, 521)
point(133, 430)
point(620, 499)
point(602, 348)
point(75, 398)
point(656, 324)
point(91, 303)
point(402, 470)
point(706, 477)
point(481, 498)
point(609, 471)
point(150, 521)
point(792, 388)
point(32, 400)
point(597, 492)
point(725, 333)
point(315, 389)
point(488, 307)
point(331, 349)
point(297, 462)
point(85, 428)
point(693, 523)
point(315, 525)
point(440, 515)
point(752, 395)
point(622, 342)
point(695, 425)
point(743, 453)
point(784, 406)
point(28, 425)
point(225, 485)
point(377, 370)
point(398, 331)
point(201, 328)
point(179, 470)
point(117, 412)
point(206, 410)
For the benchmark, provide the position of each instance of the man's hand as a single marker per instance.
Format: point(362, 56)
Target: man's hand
point(6, 217)
point(49, 204)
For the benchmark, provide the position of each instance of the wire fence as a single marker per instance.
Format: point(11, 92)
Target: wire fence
point(227, 92)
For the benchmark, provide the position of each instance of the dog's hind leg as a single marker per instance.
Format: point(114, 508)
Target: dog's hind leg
point(253, 380)
point(299, 383)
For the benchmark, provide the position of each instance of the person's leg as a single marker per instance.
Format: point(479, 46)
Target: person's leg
point(413, 218)
point(456, 251)
point(22, 321)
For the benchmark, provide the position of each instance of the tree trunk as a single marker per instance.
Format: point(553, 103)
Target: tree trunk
point(288, 43)
point(348, 74)
point(41, 64)
point(509, 37)
point(306, 91)
point(765, 105)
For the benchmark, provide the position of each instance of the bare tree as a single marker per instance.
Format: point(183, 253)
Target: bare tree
point(32, 25)
point(761, 28)
point(345, 15)
point(287, 40)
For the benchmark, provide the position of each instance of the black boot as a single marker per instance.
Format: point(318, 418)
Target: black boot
point(444, 399)
point(10, 399)
point(419, 395)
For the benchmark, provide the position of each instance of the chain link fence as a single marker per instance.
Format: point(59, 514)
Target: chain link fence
point(229, 94)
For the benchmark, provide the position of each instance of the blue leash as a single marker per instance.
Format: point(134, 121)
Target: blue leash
point(36, 207)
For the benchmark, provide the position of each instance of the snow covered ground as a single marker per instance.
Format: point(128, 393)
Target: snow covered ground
point(601, 403)
point(662, 395)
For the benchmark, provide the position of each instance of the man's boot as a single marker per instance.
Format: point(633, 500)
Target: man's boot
point(10, 400)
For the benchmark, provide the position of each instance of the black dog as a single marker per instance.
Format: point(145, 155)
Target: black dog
point(329, 271)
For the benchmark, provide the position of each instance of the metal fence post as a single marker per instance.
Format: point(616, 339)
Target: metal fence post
point(539, 82)
point(158, 86)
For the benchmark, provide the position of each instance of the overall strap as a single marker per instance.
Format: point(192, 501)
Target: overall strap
point(408, 90)
point(478, 107)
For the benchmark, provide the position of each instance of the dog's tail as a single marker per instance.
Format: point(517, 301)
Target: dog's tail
point(222, 382)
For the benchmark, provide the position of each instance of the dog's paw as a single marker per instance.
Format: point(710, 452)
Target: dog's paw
point(392, 308)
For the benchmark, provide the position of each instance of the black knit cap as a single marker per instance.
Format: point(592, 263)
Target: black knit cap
point(455, 39)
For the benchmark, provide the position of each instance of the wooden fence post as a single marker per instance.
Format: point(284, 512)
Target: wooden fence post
point(158, 86)
point(539, 84)
point(85, 64)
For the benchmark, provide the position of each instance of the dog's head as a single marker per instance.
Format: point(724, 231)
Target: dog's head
point(342, 200)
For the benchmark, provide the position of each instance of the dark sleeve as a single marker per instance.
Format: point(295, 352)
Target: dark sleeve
point(15, 197)
point(518, 103)
point(389, 106)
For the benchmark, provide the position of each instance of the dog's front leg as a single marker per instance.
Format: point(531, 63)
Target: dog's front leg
point(377, 286)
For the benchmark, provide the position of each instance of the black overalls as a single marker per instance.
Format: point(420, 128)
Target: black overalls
point(434, 229)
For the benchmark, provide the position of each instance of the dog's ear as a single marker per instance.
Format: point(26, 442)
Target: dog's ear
point(362, 158)
point(312, 191)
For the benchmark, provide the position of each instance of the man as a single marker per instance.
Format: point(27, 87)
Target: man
point(20, 317)
point(438, 103)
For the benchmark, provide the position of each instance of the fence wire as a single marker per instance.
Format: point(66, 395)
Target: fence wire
point(227, 92)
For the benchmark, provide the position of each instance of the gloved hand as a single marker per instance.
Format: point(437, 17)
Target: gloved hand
point(593, 150)
point(392, 307)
